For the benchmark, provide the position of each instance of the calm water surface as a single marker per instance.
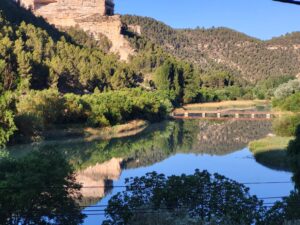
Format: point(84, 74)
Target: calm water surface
point(172, 148)
point(239, 166)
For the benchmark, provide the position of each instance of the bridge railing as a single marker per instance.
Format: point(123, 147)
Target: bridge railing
point(224, 114)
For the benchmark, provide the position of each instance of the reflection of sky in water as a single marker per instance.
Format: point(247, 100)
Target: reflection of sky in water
point(239, 166)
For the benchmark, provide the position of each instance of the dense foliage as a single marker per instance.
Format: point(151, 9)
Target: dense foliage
point(31, 59)
point(38, 189)
point(287, 89)
point(7, 125)
point(39, 64)
point(285, 211)
point(82, 38)
point(38, 110)
point(286, 126)
point(265, 88)
point(290, 103)
point(203, 197)
point(190, 86)
point(287, 98)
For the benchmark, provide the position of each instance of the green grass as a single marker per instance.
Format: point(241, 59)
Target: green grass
point(271, 152)
point(269, 144)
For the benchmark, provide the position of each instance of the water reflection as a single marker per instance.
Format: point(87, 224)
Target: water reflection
point(193, 136)
point(100, 162)
point(97, 180)
point(171, 147)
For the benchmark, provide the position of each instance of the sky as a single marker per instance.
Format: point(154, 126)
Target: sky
point(262, 19)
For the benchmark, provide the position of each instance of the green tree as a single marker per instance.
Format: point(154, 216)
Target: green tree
point(164, 76)
point(202, 196)
point(287, 89)
point(191, 84)
point(39, 189)
point(24, 66)
point(7, 125)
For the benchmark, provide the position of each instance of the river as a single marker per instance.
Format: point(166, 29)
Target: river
point(172, 148)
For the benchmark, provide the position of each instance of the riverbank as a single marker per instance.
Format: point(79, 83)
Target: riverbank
point(119, 131)
point(227, 105)
point(75, 131)
point(91, 133)
point(271, 152)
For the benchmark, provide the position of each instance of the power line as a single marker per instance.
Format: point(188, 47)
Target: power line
point(264, 203)
point(153, 211)
point(102, 206)
point(132, 187)
point(101, 212)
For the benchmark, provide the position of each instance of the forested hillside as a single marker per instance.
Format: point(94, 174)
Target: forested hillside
point(222, 48)
point(35, 55)
point(50, 77)
point(37, 58)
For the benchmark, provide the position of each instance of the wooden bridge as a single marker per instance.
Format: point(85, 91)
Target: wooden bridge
point(224, 114)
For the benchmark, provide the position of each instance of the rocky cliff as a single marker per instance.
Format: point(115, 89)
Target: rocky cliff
point(93, 16)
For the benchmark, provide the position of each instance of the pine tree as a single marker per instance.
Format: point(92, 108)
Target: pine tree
point(24, 66)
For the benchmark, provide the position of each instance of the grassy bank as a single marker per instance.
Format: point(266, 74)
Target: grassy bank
point(227, 104)
point(271, 152)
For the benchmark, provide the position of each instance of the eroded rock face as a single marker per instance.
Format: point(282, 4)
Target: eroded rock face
point(101, 7)
point(111, 27)
point(97, 180)
point(93, 16)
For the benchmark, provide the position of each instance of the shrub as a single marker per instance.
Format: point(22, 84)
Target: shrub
point(266, 87)
point(40, 109)
point(7, 125)
point(29, 126)
point(46, 105)
point(287, 125)
point(287, 89)
point(117, 107)
point(75, 109)
point(290, 103)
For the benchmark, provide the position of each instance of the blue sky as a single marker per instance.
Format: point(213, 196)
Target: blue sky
point(263, 19)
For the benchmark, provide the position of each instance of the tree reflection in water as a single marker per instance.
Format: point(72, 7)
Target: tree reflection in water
point(156, 143)
point(39, 189)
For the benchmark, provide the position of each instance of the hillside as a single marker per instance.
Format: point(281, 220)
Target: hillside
point(50, 77)
point(36, 55)
point(224, 48)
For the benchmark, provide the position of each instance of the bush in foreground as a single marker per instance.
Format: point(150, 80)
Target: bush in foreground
point(200, 198)
point(39, 189)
